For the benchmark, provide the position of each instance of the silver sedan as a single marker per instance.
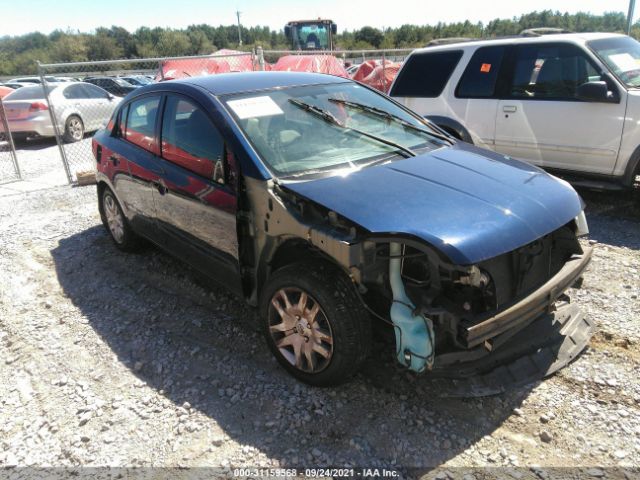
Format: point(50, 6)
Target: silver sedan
point(78, 107)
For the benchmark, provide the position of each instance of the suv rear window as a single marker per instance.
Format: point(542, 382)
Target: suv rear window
point(425, 74)
point(479, 78)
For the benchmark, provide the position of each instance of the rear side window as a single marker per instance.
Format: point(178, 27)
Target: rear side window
point(426, 74)
point(479, 78)
point(74, 92)
point(190, 140)
point(141, 122)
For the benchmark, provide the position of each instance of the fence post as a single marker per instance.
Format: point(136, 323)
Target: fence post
point(54, 122)
point(260, 58)
point(384, 73)
point(12, 147)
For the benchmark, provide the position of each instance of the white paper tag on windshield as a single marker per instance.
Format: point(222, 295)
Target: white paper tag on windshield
point(255, 107)
point(625, 62)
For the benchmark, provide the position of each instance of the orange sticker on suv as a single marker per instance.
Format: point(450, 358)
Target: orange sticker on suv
point(485, 67)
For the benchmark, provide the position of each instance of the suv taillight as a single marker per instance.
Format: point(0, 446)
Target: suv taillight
point(38, 106)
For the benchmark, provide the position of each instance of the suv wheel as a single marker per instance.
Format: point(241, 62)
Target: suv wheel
point(314, 323)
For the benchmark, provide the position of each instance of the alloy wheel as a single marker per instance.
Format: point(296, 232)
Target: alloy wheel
point(114, 218)
point(300, 330)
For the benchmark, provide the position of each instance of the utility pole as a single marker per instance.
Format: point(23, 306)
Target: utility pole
point(632, 6)
point(239, 31)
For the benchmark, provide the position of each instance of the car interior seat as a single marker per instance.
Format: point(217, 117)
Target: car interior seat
point(557, 78)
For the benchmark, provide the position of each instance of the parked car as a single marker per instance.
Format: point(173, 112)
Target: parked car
point(79, 108)
point(33, 80)
point(16, 85)
point(565, 102)
point(321, 201)
point(115, 86)
point(4, 91)
point(137, 80)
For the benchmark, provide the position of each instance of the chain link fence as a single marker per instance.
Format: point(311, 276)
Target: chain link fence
point(9, 168)
point(85, 95)
point(77, 99)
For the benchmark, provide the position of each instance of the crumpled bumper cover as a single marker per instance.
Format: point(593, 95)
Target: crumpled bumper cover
point(536, 352)
point(529, 308)
point(523, 344)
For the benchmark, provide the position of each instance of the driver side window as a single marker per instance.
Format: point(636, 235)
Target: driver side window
point(550, 72)
point(190, 140)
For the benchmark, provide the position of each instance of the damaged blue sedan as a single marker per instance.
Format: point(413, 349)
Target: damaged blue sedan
point(329, 207)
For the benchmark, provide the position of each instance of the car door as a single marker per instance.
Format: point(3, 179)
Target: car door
point(100, 105)
point(139, 147)
point(75, 102)
point(476, 103)
point(196, 200)
point(542, 120)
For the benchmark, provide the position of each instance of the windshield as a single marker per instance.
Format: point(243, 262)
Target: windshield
point(121, 82)
point(622, 56)
point(310, 37)
point(294, 141)
point(29, 93)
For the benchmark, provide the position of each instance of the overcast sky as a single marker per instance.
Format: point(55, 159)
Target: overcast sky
point(22, 16)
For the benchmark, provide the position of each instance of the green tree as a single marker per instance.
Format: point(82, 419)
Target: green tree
point(102, 46)
point(369, 35)
point(173, 43)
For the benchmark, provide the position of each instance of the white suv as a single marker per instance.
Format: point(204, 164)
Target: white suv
point(566, 102)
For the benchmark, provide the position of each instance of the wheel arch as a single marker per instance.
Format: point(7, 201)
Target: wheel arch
point(288, 251)
point(632, 169)
point(451, 126)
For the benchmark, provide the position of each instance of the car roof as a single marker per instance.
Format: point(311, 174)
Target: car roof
point(556, 37)
point(238, 82)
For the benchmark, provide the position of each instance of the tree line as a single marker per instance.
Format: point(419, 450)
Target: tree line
point(18, 55)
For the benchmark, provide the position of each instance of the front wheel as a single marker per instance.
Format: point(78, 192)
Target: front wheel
point(314, 323)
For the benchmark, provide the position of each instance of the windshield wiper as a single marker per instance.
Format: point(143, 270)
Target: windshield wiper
point(329, 118)
point(389, 116)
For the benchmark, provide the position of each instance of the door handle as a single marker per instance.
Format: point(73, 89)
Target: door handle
point(115, 160)
point(509, 108)
point(160, 187)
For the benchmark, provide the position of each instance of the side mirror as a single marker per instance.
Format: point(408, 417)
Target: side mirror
point(287, 31)
point(334, 29)
point(594, 92)
point(110, 97)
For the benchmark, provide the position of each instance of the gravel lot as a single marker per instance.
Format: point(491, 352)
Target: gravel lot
point(109, 359)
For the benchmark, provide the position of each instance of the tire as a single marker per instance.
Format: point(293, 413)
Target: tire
point(116, 222)
point(340, 326)
point(19, 139)
point(73, 129)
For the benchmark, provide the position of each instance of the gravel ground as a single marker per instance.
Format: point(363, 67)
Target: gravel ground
point(109, 359)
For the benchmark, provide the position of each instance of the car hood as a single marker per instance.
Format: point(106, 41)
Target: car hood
point(470, 204)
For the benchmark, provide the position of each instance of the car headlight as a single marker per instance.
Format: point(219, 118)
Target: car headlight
point(582, 228)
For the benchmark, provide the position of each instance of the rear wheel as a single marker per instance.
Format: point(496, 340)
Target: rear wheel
point(116, 223)
point(19, 139)
point(73, 129)
point(314, 323)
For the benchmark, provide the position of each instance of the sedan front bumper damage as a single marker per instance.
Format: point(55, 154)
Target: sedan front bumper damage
point(522, 344)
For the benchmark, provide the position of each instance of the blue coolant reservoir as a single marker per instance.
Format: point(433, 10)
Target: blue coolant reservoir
point(414, 333)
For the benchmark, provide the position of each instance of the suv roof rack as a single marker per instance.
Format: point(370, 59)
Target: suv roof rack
point(447, 40)
point(537, 32)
